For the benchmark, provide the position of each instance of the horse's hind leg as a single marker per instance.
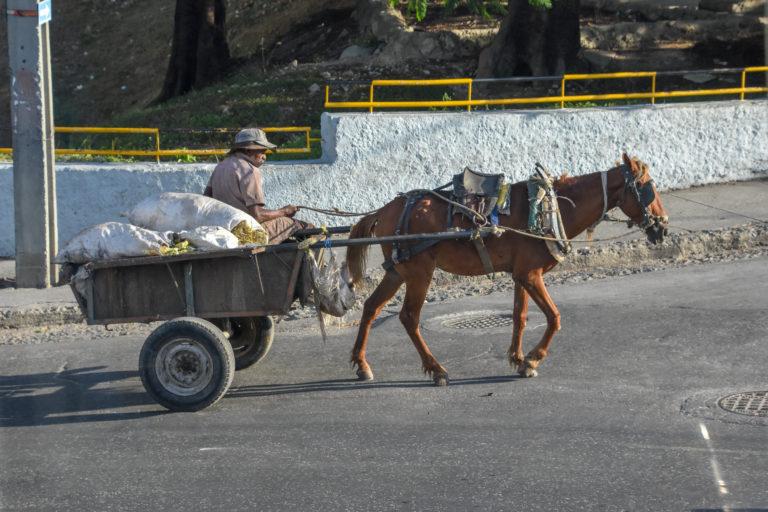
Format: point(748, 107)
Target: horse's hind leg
point(373, 306)
point(538, 292)
point(519, 317)
point(417, 281)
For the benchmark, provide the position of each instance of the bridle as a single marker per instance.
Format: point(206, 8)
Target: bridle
point(644, 195)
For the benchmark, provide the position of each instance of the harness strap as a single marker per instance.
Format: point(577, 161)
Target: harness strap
point(482, 251)
point(591, 229)
point(399, 253)
point(402, 254)
point(407, 254)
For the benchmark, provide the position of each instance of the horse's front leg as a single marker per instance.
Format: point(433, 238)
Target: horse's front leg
point(519, 317)
point(418, 277)
point(534, 285)
point(373, 306)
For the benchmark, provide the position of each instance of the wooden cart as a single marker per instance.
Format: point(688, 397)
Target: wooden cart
point(217, 306)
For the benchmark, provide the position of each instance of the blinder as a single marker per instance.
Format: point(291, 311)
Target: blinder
point(646, 194)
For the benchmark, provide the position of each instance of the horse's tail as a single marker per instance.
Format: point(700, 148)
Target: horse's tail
point(358, 254)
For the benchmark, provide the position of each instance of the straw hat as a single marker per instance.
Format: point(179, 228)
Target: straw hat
point(252, 138)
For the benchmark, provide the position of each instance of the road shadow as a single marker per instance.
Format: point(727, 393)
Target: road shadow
point(353, 385)
point(69, 396)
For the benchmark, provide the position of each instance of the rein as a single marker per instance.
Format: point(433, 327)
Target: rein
point(335, 212)
point(644, 195)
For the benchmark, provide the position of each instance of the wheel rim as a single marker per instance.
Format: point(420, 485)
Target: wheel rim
point(246, 337)
point(184, 366)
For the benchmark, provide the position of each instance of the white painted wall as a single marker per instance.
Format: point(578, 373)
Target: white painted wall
point(369, 158)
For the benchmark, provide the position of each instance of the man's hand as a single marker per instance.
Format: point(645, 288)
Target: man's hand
point(262, 214)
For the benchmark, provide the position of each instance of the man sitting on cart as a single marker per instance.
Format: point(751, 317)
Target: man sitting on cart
point(237, 181)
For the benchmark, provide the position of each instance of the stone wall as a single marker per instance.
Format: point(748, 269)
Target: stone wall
point(369, 158)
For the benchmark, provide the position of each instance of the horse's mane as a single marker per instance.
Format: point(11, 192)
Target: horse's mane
point(564, 180)
point(643, 168)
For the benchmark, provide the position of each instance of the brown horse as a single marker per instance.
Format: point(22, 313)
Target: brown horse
point(628, 186)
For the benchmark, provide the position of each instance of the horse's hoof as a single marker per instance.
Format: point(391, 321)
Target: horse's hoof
point(364, 375)
point(527, 372)
point(440, 380)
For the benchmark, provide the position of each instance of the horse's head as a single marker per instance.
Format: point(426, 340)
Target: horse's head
point(641, 202)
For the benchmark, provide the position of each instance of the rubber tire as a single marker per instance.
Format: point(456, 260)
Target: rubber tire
point(215, 343)
point(255, 337)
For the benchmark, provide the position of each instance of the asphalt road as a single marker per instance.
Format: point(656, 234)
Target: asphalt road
point(622, 416)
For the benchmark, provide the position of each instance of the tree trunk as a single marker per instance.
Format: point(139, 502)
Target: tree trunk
point(533, 41)
point(199, 53)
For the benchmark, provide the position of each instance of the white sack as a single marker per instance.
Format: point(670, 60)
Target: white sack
point(111, 240)
point(207, 238)
point(180, 211)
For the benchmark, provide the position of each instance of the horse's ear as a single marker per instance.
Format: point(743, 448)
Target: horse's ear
point(634, 168)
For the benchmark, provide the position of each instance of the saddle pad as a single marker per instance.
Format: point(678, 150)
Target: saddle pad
point(477, 190)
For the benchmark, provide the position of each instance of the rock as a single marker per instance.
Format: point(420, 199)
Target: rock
point(355, 52)
point(669, 35)
point(427, 45)
point(400, 42)
point(326, 75)
point(699, 78)
point(314, 89)
point(294, 64)
point(733, 6)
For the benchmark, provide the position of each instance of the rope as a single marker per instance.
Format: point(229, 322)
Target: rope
point(336, 212)
point(716, 208)
point(553, 239)
point(474, 213)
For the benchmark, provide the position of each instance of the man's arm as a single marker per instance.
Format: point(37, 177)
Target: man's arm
point(262, 214)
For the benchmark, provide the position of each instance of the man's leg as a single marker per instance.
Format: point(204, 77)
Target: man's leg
point(282, 228)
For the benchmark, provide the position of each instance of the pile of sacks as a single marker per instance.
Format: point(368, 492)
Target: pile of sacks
point(170, 223)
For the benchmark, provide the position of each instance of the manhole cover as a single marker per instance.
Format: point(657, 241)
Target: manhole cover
point(751, 403)
point(479, 321)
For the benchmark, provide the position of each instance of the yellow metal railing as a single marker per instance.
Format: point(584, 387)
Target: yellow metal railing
point(562, 98)
point(401, 83)
point(157, 153)
point(92, 129)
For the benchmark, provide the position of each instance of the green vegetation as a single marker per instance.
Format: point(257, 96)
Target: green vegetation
point(486, 8)
point(209, 118)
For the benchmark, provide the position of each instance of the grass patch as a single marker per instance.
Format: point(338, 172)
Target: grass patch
point(208, 118)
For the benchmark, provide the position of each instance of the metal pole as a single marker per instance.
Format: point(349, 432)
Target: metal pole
point(50, 152)
point(34, 186)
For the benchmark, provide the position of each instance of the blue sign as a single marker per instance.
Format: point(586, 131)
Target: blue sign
point(44, 12)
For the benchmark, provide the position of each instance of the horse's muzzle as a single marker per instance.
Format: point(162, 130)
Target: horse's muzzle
point(657, 230)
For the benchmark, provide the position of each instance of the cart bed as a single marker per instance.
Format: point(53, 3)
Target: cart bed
point(232, 283)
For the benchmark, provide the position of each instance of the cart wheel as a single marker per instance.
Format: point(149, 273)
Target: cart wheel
point(251, 339)
point(186, 364)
